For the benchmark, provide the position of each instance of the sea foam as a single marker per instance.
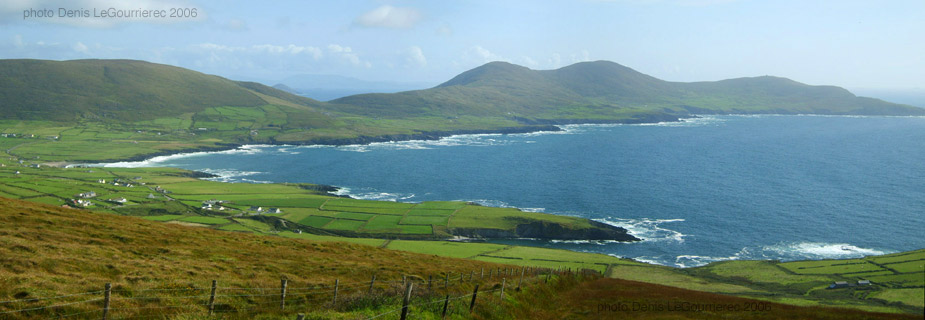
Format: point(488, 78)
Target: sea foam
point(647, 229)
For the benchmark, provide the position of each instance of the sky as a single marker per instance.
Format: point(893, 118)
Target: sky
point(854, 44)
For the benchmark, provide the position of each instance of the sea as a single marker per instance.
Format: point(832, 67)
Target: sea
point(711, 188)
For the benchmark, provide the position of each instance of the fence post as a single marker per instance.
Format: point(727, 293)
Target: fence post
point(282, 293)
point(521, 282)
point(107, 294)
point(503, 282)
point(430, 281)
point(446, 282)
point(474, 294)
point(446, 303)
point(482, 274)
point(371, 283)
point(403, 280)
point(405, 300)
point(212, 297)
point(549, 272)
point(471, 273)
point(336, 284)
point(490, 274)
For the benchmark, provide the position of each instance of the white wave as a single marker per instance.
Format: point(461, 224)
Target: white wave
point(532, 209)
point(472, 140)
point(228, 175)
point(647, 229)
point(156, 161)
point(489, 203)
point(820, 250)
point(597, 242)
point(647, 259)
point(788, 251)
point(699, 121)
point(373, 195)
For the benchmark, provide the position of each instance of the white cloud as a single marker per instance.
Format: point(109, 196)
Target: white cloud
point(347, 54)
point(291, 49)
point(17, 42)
point(482, 54)
point(236, 25)
point(581, 56)
point(556, 60)
point(387, 16)
point(444, 30)
point(527, 61)
point(80, 47)
point(415, 57)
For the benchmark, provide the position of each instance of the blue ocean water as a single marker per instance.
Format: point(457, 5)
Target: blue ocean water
point(707, 189)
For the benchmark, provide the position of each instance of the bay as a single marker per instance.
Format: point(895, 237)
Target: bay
point(707, 189)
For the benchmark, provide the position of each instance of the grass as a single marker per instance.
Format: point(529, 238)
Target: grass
point(386, 219)
point(344, 224)
point(167, 217)
point(204, 220)
point(315, 221)
point(83, 250)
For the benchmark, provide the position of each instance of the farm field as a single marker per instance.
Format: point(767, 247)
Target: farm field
point(302, 212)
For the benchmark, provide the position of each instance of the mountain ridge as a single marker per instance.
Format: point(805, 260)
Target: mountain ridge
point(614, 90)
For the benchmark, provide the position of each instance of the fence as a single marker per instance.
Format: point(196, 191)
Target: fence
point(458, 293)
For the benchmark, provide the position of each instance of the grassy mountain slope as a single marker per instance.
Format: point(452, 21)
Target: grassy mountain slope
point(110, 89)
point(162, 270)
point(606, 90)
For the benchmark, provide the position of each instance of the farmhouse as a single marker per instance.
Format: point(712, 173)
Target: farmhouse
point(274, 210)
point(256, 209)
point(87, 195)
point(118, 200)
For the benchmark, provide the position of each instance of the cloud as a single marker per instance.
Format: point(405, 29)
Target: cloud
point(481, 54)
point(80, 47)
point(236, 25)
point(556, 60)
point(17, 42)
point(415, 57)
point(347, 54)
point(581, 56)
point(390, 17)
point(444, 30)
point(269, 49)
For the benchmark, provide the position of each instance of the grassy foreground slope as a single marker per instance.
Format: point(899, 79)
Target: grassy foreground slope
point(163, 270)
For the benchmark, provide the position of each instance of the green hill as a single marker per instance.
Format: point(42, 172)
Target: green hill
point(604, 90)
point(111, 89)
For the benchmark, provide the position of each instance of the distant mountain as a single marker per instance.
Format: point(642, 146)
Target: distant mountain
point(328, 87)
point(286, 88)
point(494, 96)
point(125, 90)
point(604, 91)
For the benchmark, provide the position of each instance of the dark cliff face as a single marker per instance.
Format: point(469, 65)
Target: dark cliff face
point(551, 231)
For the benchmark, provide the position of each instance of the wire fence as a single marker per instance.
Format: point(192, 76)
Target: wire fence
point(419, 295)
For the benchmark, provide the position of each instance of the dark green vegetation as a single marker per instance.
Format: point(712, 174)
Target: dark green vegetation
point(96, 110)
point(604, 91)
